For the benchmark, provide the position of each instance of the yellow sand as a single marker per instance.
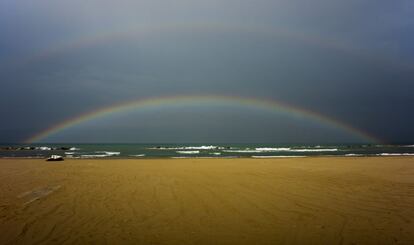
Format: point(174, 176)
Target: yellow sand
point(206, 201)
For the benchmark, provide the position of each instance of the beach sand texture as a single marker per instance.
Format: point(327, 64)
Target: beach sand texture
point(208, 201)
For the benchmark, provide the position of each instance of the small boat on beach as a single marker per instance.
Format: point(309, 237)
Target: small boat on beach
point(55, 158)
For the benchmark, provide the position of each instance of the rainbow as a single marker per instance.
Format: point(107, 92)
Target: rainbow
point(208, 100)
point(142, 31)
point(139, 32)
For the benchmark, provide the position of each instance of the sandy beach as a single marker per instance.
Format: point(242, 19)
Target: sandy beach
point(208, 201)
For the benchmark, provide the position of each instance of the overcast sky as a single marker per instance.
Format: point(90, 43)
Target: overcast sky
point(352, 61)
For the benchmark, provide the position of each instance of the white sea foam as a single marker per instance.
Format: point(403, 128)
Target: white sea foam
point(276, 156)
point(242, 151)
point(71, 156)
point(215, 153)
point(313, 150)
point(395, 154)
point(69, 153)
point(74, 149)
point(188, 152)
point(94, 156)
point(44, 148)
point(269, 149)
point(353, 155)
point(109, 153)
point(139, 155)
point(99, 155)
point(204, 147)
point(257, 150)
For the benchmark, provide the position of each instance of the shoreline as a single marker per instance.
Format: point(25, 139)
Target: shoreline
point(213, 158)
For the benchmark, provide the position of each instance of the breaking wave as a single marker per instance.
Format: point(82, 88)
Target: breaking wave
point(44, 148)
point(105, 154)
point(110, 153)
point(94, 155)
point(47, 148)
point(188, 152)
point(203, 147)
point(276, 156)
point(215, 153)
point(395, 154)
point(139, 155)
point(267, 149)
point(241, 151)
point(313, 150)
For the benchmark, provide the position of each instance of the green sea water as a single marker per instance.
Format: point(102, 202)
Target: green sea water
point(207, 150)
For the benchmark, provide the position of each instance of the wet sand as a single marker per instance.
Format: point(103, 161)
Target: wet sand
point(208, 201)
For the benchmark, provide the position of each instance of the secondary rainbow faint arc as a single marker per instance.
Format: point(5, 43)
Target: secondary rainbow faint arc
point(141, 31)
point(159, 102)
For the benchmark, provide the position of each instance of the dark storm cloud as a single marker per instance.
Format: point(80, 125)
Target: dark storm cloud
point(350, 60)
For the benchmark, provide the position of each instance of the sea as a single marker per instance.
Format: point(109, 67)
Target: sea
point(144, 151)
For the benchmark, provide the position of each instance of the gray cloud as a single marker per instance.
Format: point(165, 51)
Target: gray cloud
point(349, 60)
